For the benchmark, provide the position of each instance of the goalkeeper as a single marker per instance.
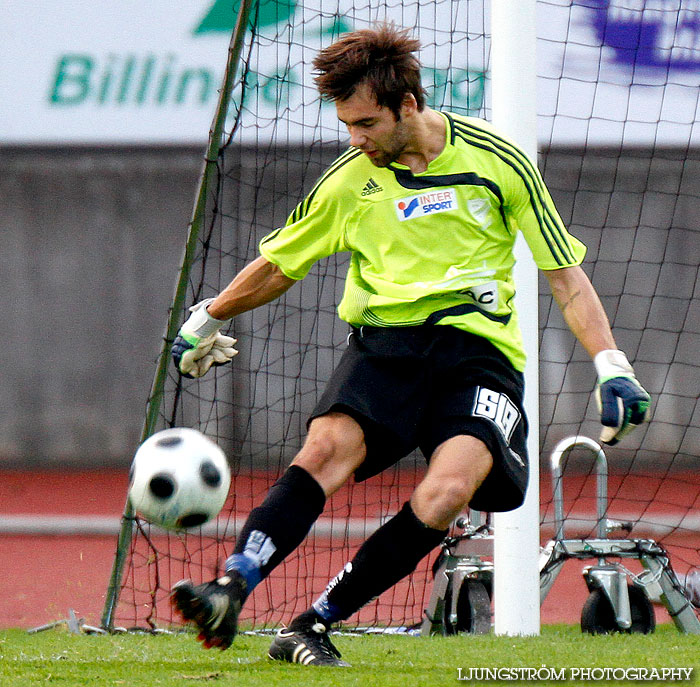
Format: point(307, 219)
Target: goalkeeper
point(428, 204)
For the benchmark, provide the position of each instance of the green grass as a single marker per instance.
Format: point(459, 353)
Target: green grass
point(56, 657)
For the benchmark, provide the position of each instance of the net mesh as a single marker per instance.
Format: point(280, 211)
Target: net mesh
point(621, 158)
point(281, 139)
point(625, 179)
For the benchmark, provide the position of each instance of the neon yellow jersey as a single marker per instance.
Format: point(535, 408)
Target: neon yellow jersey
point(434, 247)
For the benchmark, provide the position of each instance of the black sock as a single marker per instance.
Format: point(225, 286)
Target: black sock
point(387, 556)
point(277, 526)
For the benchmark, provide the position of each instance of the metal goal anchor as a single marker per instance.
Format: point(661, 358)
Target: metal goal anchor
point(463, 581)
point(614, 605)
point(463, 572)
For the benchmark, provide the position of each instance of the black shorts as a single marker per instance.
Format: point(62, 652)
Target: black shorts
point(416, 387)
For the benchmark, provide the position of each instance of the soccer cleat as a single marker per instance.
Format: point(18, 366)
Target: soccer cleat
point(213, 607)
point(310, 647)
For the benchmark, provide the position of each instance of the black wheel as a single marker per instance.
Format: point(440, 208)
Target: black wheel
point(598, 616)
point(473, 609)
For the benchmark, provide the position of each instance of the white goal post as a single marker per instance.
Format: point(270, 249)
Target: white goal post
point(516, 534)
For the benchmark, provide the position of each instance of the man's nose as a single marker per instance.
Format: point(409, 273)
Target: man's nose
point(357, 139)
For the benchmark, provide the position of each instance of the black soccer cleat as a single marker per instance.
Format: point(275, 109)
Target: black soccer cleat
point(213, 607)
point(309, 646)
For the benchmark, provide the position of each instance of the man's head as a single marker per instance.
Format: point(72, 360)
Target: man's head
point(373, 77)
point(381, 58)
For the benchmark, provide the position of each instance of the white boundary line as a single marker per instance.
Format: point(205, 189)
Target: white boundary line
point(96, 525)
point(353, 528)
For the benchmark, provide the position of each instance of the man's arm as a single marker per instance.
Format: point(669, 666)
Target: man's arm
point(622, 401)
point(582, 309)
point(199, 344)
point(257, 283)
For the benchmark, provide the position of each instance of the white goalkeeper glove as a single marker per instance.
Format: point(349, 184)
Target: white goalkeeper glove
point(622, 401)
point(199, 345)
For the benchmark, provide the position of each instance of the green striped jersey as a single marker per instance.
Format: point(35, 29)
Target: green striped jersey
point(434, 247)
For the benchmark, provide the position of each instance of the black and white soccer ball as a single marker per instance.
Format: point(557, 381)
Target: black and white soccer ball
point(179, 479)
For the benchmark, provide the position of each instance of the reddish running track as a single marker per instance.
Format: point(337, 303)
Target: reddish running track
point(45, 576)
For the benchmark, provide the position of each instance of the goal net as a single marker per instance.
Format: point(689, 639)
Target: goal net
point(620, 156)
point(620, 141)
point(280, 140)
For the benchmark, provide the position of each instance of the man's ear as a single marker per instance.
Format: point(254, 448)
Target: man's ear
point(409, 105)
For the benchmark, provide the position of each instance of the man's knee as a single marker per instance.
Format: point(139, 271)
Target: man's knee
point(456, 471)
point(333, 449)
point(332, 436)
point(439, 500)
point(453, 494)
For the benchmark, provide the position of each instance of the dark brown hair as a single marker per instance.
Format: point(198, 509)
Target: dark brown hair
point(381, 57)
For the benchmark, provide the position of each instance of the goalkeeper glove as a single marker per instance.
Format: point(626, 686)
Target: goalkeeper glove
point(622, 401)
point(199, 345)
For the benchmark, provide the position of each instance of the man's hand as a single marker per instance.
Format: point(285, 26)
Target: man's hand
point(199, 345)
point(622, 401)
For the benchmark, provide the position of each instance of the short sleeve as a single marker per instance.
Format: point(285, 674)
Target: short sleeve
point(530, 206)
point(313, 231)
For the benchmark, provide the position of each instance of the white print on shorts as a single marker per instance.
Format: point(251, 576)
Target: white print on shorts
point(498, 408)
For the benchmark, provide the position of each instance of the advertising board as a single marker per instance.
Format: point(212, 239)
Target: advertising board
point(129, 72)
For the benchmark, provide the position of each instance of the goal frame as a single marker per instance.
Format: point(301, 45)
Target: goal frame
point(516, 541)
point(514, 111)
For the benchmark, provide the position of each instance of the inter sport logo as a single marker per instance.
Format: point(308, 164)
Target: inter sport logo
point(407, 209)
point(426, 204)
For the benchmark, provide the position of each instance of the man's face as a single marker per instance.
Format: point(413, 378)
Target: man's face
point(373, 129)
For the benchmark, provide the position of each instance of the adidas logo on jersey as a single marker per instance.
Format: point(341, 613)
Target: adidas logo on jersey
point(371, 187)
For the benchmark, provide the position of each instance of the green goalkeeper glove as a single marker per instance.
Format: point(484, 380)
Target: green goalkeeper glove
point(199, 345)
point(622, 401)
